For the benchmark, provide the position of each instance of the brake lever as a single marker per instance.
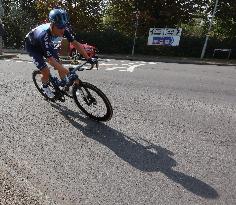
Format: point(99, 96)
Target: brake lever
point(81, 69)
point(90, 67)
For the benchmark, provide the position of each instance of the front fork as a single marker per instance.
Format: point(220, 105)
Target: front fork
point(88, 98)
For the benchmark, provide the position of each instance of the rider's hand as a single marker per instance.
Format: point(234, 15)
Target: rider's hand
point(92, 61)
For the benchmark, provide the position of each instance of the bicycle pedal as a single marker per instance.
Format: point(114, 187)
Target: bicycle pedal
point(71, 68)
point(62, 99)
point(66, 88)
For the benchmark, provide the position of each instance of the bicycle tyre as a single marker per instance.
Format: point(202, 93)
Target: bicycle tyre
point(39, 83)
point(34, 74)
point(89, 88)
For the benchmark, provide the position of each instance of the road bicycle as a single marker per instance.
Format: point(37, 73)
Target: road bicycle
point(90, 99)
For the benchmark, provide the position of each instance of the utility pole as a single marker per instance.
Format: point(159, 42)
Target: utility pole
point(209, 30)
point(136, 28)
point(1, 9)
point(1, 25)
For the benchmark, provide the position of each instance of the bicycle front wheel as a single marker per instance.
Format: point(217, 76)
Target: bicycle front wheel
point(92, 101)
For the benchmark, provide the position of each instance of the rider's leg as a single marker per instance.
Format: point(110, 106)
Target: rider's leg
point(55, 62)
point(45, 75)
point(45, 82)
point(42, 66)
point(63, 72)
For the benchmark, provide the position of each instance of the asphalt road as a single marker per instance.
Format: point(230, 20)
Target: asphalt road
point(171, 139)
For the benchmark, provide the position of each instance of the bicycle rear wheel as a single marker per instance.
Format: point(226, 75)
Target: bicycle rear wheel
point(36, 75)
point(92, 101)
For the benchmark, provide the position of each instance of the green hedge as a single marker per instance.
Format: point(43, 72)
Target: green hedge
point(113, 42)
point(107, 41)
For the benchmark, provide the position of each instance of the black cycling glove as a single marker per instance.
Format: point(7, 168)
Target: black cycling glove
point(92, 60)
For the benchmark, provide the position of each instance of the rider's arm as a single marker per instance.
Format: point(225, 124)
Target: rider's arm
point(80, 49)
point(53, 62)
point(75, 43)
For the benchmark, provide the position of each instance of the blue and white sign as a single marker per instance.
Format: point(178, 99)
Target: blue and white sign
point(164, 36)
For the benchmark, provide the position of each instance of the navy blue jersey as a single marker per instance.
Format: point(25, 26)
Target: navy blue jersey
point(41, 39)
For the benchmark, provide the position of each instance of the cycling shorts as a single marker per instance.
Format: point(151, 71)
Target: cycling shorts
point(38, 55)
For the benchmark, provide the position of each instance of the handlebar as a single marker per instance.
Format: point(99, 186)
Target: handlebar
point(81, 68)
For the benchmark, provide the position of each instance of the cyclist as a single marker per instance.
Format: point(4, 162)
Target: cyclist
point(39, 45)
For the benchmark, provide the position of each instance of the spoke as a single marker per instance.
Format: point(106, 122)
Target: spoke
point(93, 104)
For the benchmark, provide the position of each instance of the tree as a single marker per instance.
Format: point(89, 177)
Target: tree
point(225, 26)
point(85, 15)
point(19, 18)
point(153, 13)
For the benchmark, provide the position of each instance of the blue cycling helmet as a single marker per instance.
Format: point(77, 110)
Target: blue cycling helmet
point(58, 17)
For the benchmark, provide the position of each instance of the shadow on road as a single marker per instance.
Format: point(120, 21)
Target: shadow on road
point(146, 158)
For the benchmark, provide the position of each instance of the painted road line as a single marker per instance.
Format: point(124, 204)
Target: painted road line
point(69, 65)
point(140, 62)
point(73, 66)
point(108, 64)
point(113, 68)
point(131, 68)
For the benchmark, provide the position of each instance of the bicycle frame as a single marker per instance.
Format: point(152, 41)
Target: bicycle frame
point(79, 67)
point(56, 82)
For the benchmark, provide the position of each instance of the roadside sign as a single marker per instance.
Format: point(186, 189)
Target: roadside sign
point(164, 41)
point(164, 36)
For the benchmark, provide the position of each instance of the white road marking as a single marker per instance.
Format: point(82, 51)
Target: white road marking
point(152, 63)
point(73, 66)
point(140, 62)
point(113, 68)
point(108, 64)
point(128, 67)
point(69, 65)
point(131, 68)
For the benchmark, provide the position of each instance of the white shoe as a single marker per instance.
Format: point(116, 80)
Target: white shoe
point(47, 91)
